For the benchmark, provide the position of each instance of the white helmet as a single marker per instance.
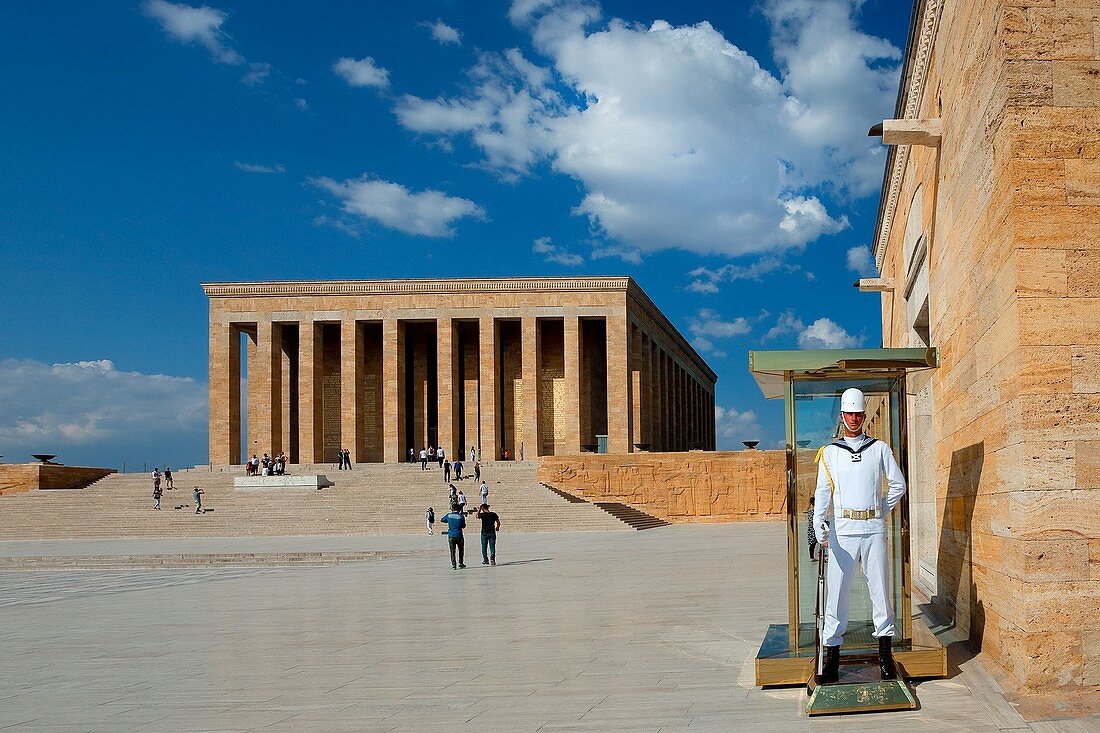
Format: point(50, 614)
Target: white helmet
point(853, 401)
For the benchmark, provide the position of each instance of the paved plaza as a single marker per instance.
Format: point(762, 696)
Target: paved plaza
point(595, 631)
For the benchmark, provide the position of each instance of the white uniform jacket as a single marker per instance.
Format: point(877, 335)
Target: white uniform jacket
point(858, 486)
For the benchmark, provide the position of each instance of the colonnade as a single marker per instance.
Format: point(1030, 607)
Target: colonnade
point(508, 386)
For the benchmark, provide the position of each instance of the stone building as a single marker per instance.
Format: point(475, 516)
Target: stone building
point(988, 244)
point(523, 366)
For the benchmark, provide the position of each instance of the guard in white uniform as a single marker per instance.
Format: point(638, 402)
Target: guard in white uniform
point(849, 482)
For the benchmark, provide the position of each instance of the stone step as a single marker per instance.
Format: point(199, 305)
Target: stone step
point(376, 499)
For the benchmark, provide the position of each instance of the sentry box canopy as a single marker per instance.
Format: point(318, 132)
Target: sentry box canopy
point(810, 383)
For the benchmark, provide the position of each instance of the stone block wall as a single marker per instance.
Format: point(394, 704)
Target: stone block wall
point(1005, 529)
point(19, 477)
point(696, 486)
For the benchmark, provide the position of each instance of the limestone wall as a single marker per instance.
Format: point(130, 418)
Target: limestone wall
point(1006, 479)
point(697, 486)
point(20, 477)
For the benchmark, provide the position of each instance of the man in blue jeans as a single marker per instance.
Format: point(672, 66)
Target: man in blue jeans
point(455, 521)
point(490, 524)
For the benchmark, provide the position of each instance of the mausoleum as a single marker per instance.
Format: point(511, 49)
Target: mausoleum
point(513, 367)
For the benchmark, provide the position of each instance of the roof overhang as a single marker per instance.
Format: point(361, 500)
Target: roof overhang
point(772, 368)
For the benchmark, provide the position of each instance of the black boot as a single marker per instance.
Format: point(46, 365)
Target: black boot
point(886, 667)
point(831, 673)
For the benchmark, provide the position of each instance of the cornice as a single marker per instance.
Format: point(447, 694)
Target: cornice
point(918, 56)
point(415, 287)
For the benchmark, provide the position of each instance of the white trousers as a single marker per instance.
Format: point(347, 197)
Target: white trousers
point(845, 553)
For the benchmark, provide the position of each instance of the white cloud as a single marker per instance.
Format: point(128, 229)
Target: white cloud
point(786, 323)
point(555, 253)
point(825, 334)
point(259, 167)
point(362, 72)
point(89, 412)
point(426, 213)
point(843, 80)
point(705, 346)
point(301, 104)
point(337, 223)
point(258, 73)
point(645, 123)
point(709, 323)
point(503, 114)
point(702, 286)
point(625, 253)
point(443, 33)
point(732, 426)
point(707, 280)
point(202, 25)
point(861, 262)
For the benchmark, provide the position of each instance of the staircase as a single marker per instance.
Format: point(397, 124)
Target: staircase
point(636, 518)
point(371, 499)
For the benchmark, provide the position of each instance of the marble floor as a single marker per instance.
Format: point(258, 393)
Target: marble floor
point(586, 631)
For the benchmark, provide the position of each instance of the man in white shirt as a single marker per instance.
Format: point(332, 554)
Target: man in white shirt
point(849, 482)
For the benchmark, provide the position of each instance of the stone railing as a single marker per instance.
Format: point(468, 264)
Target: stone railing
point(696, 486)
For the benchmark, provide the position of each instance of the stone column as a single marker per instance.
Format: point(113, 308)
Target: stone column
point(653, 386)
point(528, 438)
point(488, 394)
point(310, 430)
point(690, 383)
point(446, 370)
point(678, 381)
point(571, 415)
point(662, 399)
point(635, 385)
point(351, 387)
point(393, 392)
point(288, 413)
point(619, 386)
point(268, 408)
point(225, 394)
point(710, 422)
point(683, 406)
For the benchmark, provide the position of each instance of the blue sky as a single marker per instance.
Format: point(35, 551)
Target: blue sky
point(716, 152)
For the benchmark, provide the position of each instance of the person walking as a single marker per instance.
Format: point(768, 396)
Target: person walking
point(156, 479)
point(849, 482)
point(490, 525)
point(423, 459)
point(472, 454)
point(458, 470)
point(455, 521)
point(167, 478)
point(156, 497)
point(440, 454)
point(477, 470)
point(196, 494)
point(462, 501)
point(484, 492)
point(429, 519)
point(446, 472)
point(347, 459)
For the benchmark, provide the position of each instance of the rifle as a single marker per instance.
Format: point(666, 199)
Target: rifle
point(819, 614)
